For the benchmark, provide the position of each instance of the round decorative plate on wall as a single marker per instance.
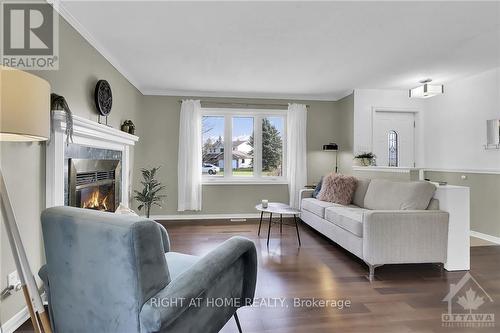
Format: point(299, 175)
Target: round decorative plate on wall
point(103, 97)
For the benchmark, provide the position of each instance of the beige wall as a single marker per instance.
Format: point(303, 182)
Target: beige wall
point(158, 128)
point(395, 176)
point(345, 133)
point(23, 164)
point(484, 198)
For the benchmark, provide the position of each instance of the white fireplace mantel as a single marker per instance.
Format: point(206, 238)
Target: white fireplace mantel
point(90, 134)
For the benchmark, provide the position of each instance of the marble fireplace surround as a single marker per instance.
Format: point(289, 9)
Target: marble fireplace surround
point(86, 133)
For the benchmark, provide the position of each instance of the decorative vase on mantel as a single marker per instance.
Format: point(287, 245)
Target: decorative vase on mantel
point(128, 127)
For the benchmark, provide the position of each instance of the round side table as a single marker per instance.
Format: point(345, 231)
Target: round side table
point(281, 209)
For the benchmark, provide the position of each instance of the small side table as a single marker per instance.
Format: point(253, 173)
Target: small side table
point(281, 209)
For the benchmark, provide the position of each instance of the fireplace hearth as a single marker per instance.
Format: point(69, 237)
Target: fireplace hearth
point(94, 184)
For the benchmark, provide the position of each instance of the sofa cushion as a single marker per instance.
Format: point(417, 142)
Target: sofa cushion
point(389, 195)
point(358, 198)
point(349, 218)
point(433, 204)
point(316, 206)
point(337, 188)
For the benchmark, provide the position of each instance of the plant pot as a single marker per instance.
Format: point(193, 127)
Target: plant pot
point(363, 162)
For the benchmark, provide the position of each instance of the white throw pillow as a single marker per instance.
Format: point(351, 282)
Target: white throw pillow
point(122, 209)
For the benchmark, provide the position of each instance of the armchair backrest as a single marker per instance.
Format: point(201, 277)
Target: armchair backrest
point(102, 267)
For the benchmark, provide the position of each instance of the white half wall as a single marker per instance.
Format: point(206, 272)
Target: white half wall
point(455, 124)
point(366, 100)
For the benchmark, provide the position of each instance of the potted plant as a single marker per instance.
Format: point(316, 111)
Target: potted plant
point(365, 159)
point(149, 195)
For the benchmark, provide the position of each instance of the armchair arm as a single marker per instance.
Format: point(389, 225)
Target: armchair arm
point(305, 193)
point(164, 238)
point(405, 236)
point(229, 271)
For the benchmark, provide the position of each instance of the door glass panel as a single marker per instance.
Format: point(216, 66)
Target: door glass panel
point(392, 138)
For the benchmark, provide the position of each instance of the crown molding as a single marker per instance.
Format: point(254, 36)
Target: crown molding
point(191, 93)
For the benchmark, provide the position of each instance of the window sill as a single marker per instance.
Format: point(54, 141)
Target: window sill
point(244, 182)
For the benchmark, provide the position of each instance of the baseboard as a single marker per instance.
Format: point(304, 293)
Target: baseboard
point(486, 237)
point(16, 321)
point(206, 216)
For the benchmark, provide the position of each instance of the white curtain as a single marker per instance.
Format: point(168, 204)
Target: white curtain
point(189, 160)
point(296, 151)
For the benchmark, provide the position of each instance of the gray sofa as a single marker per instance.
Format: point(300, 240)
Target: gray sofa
point(115, 273)
point(386, 223)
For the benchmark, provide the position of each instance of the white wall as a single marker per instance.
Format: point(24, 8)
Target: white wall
point(367, 99)
point(455, 124)
point(451, 128)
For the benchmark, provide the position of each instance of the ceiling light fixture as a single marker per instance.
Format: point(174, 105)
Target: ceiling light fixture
point(426, 90)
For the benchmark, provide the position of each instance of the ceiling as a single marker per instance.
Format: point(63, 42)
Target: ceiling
point(297, 50)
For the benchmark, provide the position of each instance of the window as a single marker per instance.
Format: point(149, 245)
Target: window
point(392, 139)
point(242, 149)
point(272, 146)
point(213, 146)
point(255, 152)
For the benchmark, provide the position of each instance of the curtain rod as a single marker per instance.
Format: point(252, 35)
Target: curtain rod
point(216, 104)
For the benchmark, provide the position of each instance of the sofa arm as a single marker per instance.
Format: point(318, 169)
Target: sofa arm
point(405, 236)
point(233, 263)
point(305, 193)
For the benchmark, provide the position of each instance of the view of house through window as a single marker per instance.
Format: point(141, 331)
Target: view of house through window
point(242, 160)
point(255, 151)
point(213, 146)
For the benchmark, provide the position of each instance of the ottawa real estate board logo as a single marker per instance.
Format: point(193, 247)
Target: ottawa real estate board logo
point(30, 35)
point(467, 302)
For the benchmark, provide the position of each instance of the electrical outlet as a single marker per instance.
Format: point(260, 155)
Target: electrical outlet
point(13, 279)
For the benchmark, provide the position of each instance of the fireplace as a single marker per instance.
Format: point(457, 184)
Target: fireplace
point(94, 184)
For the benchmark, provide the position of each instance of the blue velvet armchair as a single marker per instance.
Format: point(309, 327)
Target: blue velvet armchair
point(115, 273)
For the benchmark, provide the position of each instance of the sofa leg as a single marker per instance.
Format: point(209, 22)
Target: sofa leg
point(371, 274)
point(237, 322)
point(440, 266)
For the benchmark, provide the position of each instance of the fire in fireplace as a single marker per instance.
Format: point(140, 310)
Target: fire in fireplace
point(97, 197)
point(94, 184)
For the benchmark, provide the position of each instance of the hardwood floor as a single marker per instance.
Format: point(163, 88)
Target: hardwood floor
point(403, 298)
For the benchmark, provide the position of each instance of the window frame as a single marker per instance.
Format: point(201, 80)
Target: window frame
point(257, 114)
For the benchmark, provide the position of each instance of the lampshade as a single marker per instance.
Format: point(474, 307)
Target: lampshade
point(24, 106)
point(331, 147)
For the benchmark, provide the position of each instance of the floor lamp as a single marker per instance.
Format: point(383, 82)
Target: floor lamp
point(333, 147)
point(25, 117)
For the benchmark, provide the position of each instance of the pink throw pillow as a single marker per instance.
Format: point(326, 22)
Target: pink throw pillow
point(338, 188)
